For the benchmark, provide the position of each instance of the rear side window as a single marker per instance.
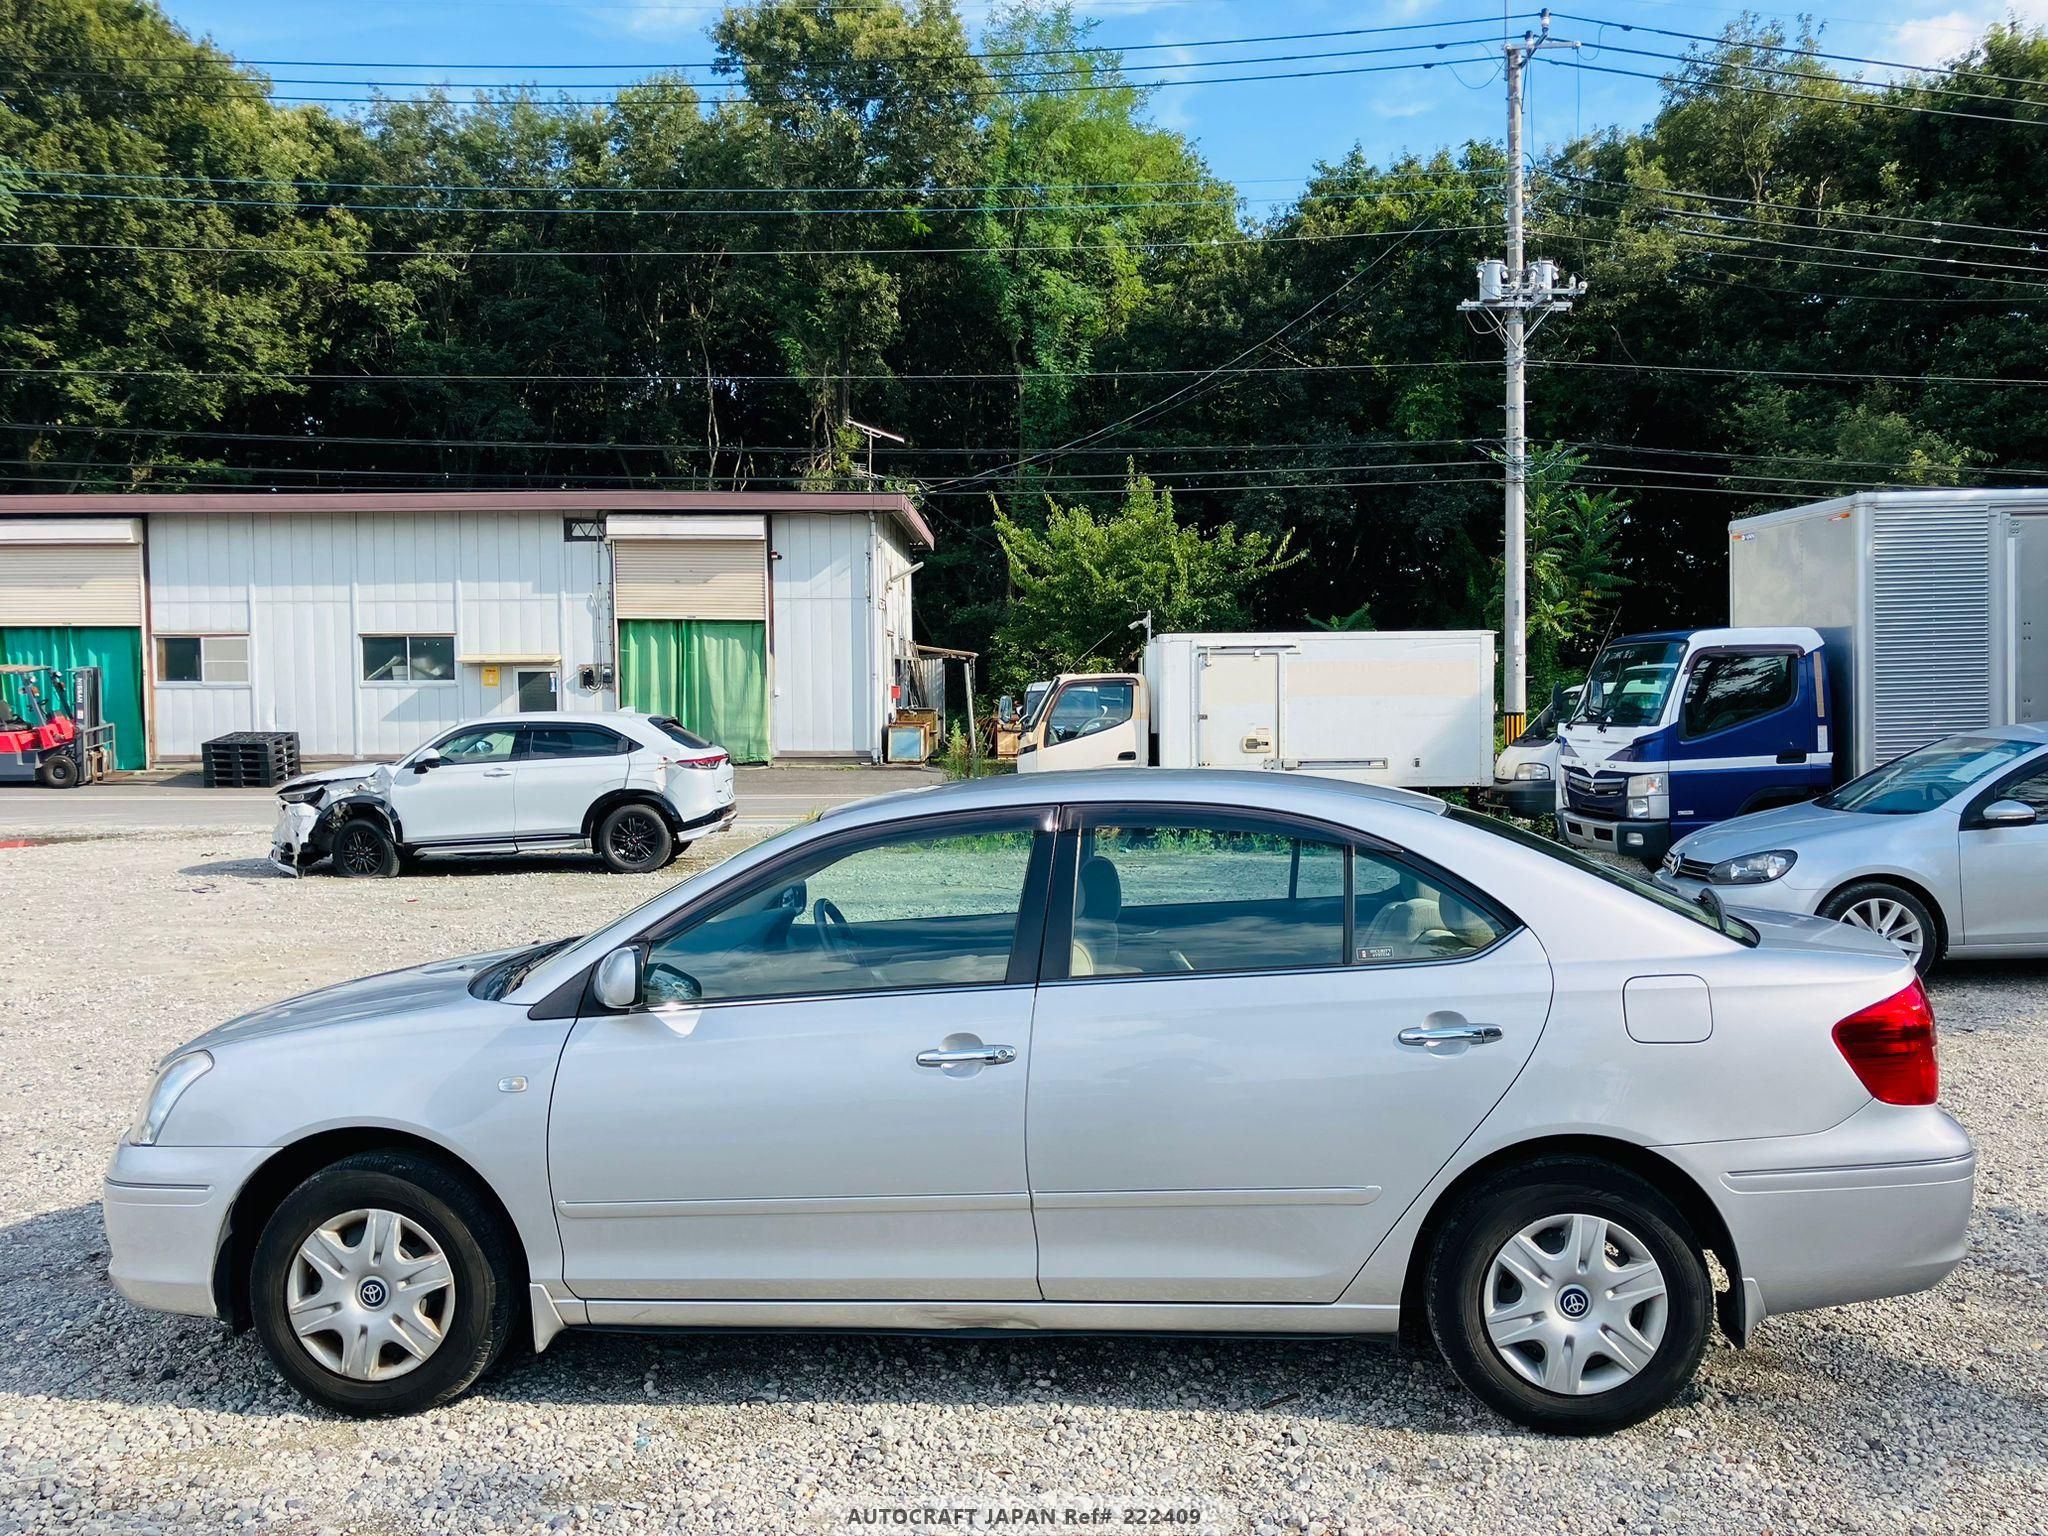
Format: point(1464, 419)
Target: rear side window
point(1401, 914)
point(572, 741)
point(675, 730)
point(1727, 691)
point(1159, 899)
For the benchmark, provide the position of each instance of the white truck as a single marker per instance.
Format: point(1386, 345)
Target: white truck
point(1412, 709)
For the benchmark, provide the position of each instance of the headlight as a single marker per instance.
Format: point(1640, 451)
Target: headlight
point(1753, 868)
point(1645, 784)
point(306, 795)
point(1533, 771)
point(164, 1093)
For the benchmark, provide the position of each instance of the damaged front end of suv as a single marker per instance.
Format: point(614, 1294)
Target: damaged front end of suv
point(314, 808)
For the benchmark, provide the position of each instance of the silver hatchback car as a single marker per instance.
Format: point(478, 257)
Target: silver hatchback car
point(1941, 851)
point(1299, 1057)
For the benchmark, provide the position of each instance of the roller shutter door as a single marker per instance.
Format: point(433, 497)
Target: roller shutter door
point(83, 584)
point(690, 579)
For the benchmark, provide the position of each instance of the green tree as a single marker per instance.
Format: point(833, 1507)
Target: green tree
point(1081, 581)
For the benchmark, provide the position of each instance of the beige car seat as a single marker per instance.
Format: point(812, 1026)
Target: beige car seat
point(1096, 913)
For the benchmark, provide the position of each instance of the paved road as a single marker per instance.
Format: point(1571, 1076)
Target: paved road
point(768, 797)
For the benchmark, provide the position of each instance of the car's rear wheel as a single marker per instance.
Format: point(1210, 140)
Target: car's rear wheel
point(383, 1285)
point(363, 850)
point(634, 840)
point(1891, 912)
point(1569, 1296)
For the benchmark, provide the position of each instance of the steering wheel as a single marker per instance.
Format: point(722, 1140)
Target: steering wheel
point(834, 931)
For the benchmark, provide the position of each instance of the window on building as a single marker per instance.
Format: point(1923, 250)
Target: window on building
point(408, 658)
point(202, 658)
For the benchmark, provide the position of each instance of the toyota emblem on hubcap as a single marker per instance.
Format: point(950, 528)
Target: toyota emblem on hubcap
point(373, 1293)
point(1573, 1301)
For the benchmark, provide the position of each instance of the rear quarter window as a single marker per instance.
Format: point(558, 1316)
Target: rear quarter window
point(675, 730)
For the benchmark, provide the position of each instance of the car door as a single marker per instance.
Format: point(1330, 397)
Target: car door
point(2005, 869)
point(562, 769)
point(465, 795)
point(1223, 1104)
point(1093, 724)
point(823, 1093)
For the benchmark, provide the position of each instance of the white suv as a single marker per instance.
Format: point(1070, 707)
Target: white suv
point(637, 789)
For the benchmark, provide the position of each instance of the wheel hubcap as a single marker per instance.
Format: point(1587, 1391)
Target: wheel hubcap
point(1575, 1304)
point(360, 853)
point(370, 1295)
point(1889, 919)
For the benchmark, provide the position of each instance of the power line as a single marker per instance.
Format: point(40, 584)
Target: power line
point(493, 253)
point(1711, 62)
point(1609, 201)
point(1833, 212)
point(1818, 374)
point(1848, 99)
point(1809, 261)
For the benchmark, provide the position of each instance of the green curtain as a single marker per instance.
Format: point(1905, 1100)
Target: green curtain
point(117, 652)
point(711, 674)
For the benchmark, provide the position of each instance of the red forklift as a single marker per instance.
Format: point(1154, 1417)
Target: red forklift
point(51, 722)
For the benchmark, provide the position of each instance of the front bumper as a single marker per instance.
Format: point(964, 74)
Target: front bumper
point(166, 1212)
point(291, 841)
point(1767, 896)
point(1876, 1206)
point(1645, 840)
point(1530, 799)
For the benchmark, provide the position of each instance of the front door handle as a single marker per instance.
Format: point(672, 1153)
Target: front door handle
point(1449, 1034)
point(497, 773)
point(969, 1056)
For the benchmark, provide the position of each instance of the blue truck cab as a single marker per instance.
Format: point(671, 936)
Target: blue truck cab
point(1682, 728)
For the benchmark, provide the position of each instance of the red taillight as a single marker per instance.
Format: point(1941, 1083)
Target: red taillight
point(715, 760)
point(1890, 1046)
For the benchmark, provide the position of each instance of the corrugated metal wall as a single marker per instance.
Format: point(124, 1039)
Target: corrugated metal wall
point(305, 588)
point(825, 668)
point(1931, 649)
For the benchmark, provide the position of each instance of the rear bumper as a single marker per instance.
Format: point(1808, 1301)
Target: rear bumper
point(1877, 1206)
point(166, 1210)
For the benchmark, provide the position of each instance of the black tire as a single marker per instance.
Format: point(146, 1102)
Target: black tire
point(362, 850)
point(1839, 905)
point(634, 840)
point(58, 770)
point(1489, 1216)
point(480, 1317)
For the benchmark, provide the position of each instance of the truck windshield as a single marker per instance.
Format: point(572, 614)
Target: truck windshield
point(1930, 777)
point(1630, 682)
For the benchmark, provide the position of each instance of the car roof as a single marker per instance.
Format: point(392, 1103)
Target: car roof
point(1220, 788)
point(2036, 732)
point(611, 717)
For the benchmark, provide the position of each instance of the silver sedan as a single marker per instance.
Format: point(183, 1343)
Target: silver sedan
point(1942, 851)
point(1300, 1057)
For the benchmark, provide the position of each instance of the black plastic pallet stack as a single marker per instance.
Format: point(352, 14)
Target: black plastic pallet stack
point(249, 759)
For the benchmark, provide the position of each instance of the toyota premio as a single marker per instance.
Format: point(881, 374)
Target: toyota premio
point(1301, 1057)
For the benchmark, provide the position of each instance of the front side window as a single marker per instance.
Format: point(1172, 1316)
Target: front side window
point(925, 908)
point(2032, 790)
point(202, 659)
point(1727, 690)
point(1629, 683)
point(408, 658)
point(479, 744)
point(572, 741)
point(1176, 895)
point(1083, 709)
point(1927, 779)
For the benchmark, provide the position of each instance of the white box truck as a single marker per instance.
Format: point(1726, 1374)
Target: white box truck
point(1412, 709)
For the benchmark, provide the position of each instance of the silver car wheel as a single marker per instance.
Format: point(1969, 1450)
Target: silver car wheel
point(370, 1295)
point(1889, 919)
point(1575, 1304)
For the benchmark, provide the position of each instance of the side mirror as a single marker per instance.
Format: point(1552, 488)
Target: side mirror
point(617, 982)
point(431, 758)
point(2008, 813)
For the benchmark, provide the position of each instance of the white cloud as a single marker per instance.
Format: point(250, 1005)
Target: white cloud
point(1938, 38)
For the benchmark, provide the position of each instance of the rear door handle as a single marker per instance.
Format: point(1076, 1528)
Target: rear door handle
point(1449, 1034)
point(969, 1056)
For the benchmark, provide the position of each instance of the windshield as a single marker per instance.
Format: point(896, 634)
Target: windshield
point(1922, 780)
point(1709, 917)
point(1629, 683)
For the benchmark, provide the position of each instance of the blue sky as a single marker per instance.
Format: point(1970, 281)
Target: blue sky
point(1262, 135)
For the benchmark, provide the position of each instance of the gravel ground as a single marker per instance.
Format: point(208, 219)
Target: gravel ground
point(1927, 1413)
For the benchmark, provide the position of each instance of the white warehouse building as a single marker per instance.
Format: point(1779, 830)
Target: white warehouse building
point(771, 622)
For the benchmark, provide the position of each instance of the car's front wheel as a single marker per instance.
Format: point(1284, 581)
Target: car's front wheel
point(362, 850)
point(634, 840)
point(1568, 1296)
point(383, 1285)
point(1891, 912)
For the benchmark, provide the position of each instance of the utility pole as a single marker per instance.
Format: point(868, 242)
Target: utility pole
point(1515, 297)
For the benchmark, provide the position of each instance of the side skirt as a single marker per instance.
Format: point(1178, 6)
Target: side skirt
point(1023, 1316)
